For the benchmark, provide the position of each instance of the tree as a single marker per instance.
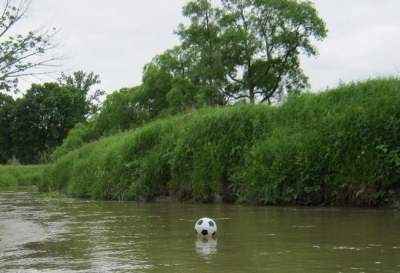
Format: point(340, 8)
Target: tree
point(84, 82)
point(250, 49)
point(21, 55)
point(7, 105)
point(121, 111)
point(43, 118)
point(173, 81)
point(201, 41)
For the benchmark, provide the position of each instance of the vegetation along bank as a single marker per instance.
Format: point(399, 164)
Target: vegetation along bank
point(340, 147)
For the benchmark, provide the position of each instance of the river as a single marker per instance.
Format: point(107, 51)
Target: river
point(43, 234)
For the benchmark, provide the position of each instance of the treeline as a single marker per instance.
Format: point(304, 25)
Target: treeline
point(335, 148)
point(34, 124)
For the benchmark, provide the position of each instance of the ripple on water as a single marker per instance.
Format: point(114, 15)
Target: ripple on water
point(303, 226)
point(352, 248)
point(85, 237)
point(14, 232)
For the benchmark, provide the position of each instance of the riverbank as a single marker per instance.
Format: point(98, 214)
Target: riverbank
point(339, 147)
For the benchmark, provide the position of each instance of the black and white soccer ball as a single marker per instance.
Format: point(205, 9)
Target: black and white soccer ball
point(206, 228)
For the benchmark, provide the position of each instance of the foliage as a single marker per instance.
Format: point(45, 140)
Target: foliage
point(80, 134)
point(7, 104)
point(121, 111)
point(43, 118)
point(245, 50)
point(166, 81)
point(335, 148)
point(340, 147)
point(156, 84)
point(262, 40)
point(85, 82)
point(201, 40)
point(32, 126)
point(20, 176)
point(234, 52)
point(240, 50)
point(21, 55)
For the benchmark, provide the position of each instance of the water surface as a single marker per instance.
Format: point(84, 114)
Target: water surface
point(41, 234)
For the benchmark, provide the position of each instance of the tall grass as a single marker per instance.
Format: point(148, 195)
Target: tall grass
point(338, 147)
point(12, 176)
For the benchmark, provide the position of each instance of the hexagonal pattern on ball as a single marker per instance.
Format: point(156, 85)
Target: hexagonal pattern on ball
point(206, 227)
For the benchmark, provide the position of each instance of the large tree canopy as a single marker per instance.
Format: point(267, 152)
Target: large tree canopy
point(262, 41)
point(243, 49)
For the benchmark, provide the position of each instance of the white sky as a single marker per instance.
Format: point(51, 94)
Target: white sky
point(116, 38)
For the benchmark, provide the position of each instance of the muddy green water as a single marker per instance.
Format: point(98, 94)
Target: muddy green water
point(40, 234)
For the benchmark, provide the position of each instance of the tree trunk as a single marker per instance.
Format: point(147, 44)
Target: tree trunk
point(252, 95)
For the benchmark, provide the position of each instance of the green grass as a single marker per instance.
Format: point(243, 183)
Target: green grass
point(340, 147)
point(14, 176)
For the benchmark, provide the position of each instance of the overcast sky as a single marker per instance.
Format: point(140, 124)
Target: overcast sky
point(116, 38)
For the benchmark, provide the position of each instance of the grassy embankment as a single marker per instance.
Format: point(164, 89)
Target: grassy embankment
point(340, 147)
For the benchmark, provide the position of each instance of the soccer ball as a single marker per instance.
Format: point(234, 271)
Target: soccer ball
point(206, 228)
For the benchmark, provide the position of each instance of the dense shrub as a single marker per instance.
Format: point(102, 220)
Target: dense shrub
point(337, 147)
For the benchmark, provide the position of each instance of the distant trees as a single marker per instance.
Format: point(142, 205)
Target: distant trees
point(33, 125)
point(7, 104)
point(21, 54)
point(43, 118)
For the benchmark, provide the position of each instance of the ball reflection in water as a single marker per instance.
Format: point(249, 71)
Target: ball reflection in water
point(206, 247)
